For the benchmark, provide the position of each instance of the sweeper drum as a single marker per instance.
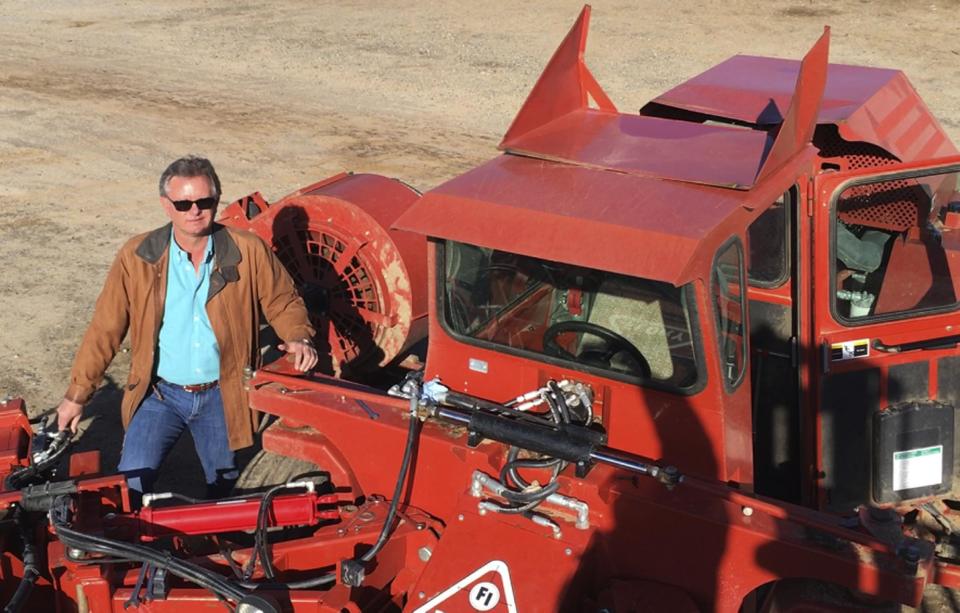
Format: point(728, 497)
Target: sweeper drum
point(364, 284)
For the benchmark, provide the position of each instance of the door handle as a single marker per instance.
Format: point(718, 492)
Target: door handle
point(943, 342)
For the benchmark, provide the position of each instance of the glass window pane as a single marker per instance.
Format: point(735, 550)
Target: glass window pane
point(897, 247)
point(625, 325)
point(728, 302)
point(769, 240)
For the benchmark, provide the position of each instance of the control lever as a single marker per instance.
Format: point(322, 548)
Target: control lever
point(46, 449)
point(47, 446)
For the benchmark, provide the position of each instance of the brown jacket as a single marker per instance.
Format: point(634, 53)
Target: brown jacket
point(246, 280)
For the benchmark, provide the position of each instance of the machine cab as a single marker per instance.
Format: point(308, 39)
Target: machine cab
point(608, 248)
point(559, 271)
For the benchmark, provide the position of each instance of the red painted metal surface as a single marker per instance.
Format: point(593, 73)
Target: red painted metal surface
point(569, 213)
point(566, 85)
point(558, 123)
point(874, 105)
point(15, 433)
point(649, 146)
point(770, 541)
point(797, 127)
point(97, 588)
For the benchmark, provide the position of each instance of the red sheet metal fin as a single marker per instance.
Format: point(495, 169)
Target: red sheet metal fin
point(796, 131)
point(566, 85)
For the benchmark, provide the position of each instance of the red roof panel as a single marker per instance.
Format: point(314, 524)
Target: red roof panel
point(606, 220)
point(875, 105)
point(649, 146)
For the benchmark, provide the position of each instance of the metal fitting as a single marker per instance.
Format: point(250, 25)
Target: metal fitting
point(581, 508)
point(310, 486)
point(546, 522)
point(481, 481)
point(149, 499)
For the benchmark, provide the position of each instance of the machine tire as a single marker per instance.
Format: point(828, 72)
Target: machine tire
point(267, 469)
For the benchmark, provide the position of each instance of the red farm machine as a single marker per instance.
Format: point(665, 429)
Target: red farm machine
point(701, 357)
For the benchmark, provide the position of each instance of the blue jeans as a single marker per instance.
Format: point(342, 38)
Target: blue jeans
point(160, 421)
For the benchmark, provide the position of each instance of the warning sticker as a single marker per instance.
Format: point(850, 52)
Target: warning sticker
point(917, 467)
point(482, 590)
point(849, 350)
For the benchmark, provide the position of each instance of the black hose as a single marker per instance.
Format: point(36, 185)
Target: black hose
point(508, 510)
point(292, 585)
point(261, 543)
point(137, 553)
point(30, 570)
point(538, 495)
point(509, 472)
point(519, 494)
point(401, 478)
point(554, 387)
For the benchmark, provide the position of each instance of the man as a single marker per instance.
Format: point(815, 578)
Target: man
point(190, 296)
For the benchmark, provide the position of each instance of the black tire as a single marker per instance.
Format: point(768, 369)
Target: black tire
point(267, 469)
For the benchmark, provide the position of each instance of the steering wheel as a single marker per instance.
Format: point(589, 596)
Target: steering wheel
point(613, 344)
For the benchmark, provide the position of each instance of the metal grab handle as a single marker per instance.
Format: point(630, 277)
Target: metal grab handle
point(943, 342)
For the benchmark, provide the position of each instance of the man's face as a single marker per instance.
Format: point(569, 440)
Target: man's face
point(193, 222)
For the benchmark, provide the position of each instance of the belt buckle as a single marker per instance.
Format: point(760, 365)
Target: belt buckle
point(196, 388)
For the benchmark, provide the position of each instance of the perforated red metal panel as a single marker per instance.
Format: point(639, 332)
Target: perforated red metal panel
point(890, 205)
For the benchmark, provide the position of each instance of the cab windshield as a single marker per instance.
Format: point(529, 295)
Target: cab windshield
point(614, 323)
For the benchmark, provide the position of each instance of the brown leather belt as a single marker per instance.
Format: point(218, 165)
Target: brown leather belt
point(195, 388)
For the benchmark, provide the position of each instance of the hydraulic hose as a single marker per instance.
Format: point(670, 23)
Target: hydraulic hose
point(306, 584)
point(260, 547)
point(401, 478)
point(520, 495)
point(30, 570)
point(138, 553)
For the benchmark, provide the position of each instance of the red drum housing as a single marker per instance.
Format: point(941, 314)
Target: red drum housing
point(364, 284)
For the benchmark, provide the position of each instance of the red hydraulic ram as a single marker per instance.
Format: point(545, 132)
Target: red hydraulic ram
point(232, 515)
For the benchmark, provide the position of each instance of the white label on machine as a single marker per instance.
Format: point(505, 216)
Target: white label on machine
point(850, 350)
point(482, 595)
point(917, 467)
point(479, 365)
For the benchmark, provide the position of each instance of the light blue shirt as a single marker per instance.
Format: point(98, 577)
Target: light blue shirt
point(188, 350)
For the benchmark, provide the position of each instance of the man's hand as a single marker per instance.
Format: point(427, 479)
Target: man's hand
point(304, 355)
point(68, 415)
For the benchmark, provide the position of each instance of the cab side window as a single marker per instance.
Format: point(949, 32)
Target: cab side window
point(769, 238)
point(896, 245)
point(727, 295)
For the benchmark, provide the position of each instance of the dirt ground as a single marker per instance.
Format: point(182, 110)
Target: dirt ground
point(97, 97)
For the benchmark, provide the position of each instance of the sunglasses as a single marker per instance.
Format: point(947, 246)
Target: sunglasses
point(203, 204)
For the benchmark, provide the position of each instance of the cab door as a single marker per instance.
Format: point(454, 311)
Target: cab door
point(886, 327)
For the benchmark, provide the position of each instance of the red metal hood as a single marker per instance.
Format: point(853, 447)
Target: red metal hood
point(606, 220)
point(568, 117)
point(874, 105)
